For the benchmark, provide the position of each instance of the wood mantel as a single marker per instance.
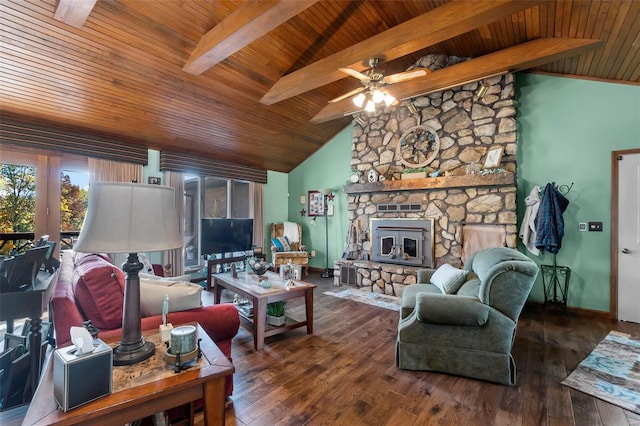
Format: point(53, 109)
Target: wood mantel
point(466, 181)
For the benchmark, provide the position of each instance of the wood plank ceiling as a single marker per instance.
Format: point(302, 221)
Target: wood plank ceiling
point(123, 70)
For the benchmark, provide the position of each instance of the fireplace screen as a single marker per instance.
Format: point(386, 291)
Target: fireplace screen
point(410, 247)
point(387, 245)
point(402, 241)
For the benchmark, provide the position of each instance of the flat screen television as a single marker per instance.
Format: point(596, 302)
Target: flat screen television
point(226, 235)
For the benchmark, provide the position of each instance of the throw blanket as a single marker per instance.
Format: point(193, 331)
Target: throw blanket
point(478, 237)
point(290, 231)
point(549, 221)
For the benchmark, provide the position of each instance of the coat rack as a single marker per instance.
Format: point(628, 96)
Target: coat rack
point(555, 279)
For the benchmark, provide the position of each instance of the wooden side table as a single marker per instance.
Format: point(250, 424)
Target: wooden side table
point(143, 389)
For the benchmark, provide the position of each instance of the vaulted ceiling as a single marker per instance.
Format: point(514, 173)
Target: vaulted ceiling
point(249, 82)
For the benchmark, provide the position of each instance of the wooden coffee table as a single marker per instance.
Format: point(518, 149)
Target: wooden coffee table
point(251, 289)
point(143, 389)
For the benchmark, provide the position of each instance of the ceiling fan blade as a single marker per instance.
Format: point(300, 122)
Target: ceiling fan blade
point(407, 75)
point(357, 74)
point(346, 95)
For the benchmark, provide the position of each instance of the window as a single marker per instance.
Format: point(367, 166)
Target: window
point(17, 202)
point(74, 193)
point(209, 197)
point(43, 194)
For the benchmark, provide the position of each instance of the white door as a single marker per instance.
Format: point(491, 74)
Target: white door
point(629, 238)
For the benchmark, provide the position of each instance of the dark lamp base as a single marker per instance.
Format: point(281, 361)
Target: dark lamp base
point(130, 357)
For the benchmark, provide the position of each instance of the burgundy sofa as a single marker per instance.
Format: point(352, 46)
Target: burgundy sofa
point(90, 287)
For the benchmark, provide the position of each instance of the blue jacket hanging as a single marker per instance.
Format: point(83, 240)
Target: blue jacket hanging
point(549, 221)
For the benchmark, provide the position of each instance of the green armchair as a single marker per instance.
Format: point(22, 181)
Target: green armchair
point(470, 332)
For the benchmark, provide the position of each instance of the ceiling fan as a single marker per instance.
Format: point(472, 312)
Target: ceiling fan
point(373, 82)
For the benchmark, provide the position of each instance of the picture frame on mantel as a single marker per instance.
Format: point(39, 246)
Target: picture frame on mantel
point(316, 203)
point(494, 155)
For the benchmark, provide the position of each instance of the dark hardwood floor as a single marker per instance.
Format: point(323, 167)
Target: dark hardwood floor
point(344, 374)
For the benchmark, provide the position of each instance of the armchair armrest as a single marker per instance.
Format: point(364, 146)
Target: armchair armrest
point(424, 276)
point(450, 309)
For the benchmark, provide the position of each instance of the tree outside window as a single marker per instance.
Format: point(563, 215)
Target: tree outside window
point(17, 200)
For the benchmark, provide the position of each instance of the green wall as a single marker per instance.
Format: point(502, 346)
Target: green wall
point(567, 129)
point(327, 168)
point(275, 204)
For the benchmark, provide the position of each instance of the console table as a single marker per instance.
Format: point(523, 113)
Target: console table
point(157, 389)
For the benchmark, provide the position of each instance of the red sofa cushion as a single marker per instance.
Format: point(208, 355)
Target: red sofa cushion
point(99, 291)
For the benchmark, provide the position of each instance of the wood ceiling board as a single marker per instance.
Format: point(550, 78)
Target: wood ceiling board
point(442, 23)
point(517, 58)
point(251, 21)
point(74, 12)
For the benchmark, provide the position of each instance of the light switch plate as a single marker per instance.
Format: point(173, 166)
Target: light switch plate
point(582, 226)
point(595, 226)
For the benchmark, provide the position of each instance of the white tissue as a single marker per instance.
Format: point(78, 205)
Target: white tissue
point(82, 340)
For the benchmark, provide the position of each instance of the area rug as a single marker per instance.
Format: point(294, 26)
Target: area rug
point(369, 297)
point(611, 372)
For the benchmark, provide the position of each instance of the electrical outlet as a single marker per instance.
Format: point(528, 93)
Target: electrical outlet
point(595, 226)
point(313, 253)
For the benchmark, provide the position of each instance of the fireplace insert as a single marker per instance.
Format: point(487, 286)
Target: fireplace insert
point(402, 241)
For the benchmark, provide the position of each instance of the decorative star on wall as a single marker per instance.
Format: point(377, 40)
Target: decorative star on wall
point(303, 212)
point(330, 196)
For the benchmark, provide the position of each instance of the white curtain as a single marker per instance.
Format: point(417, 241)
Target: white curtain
point(114, 171)
point(175, 257)
point(257, 189)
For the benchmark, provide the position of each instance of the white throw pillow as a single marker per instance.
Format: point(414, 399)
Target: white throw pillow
point(164, 280)
point(448, 279)
point(182, 296)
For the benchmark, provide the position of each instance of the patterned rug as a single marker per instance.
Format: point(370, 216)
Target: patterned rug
point(611, 372)
point(366, 296)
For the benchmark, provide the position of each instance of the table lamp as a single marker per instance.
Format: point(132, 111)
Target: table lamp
point(130, 218)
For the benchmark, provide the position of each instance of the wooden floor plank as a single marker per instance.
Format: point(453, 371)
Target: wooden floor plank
point(345, 374)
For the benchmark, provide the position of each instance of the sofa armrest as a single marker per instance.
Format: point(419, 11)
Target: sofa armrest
point(450, 309)
point(64, 314)
point(221, 322)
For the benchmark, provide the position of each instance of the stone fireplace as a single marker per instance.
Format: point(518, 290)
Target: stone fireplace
point(461, 194)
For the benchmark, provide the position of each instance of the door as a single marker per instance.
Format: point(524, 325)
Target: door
point(629, 237)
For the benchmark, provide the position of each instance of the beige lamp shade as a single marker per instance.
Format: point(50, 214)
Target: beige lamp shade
point(129, 218)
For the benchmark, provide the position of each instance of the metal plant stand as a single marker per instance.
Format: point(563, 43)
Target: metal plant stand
point(555, 280)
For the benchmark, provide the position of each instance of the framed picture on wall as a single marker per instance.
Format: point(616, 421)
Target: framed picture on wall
point(316, 203)
point(494, 155)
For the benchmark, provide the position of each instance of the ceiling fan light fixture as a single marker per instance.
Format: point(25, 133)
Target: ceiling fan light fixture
point(388, 99)
point(371, 106)
point(377, 96)
point(359, 100)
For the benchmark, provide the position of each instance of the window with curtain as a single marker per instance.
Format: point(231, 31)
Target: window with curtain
point(212, 197)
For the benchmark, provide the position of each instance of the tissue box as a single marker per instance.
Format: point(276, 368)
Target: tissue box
point(78, 379)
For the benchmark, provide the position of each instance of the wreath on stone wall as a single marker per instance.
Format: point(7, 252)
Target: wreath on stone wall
point(418, 146)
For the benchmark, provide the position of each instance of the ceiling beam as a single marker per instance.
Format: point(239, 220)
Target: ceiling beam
point(246, 24)
point(517, 58)
point(74, 12)
point(437, 25)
